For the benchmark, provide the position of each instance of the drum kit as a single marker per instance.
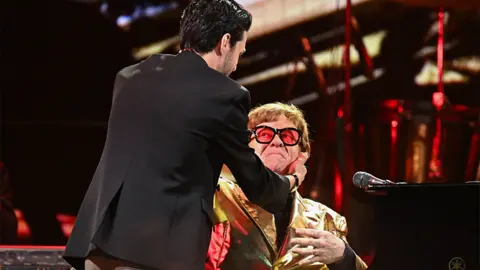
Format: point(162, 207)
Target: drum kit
point(425, 141)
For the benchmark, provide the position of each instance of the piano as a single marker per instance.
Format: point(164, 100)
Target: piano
point(32, 258)
point(426, 226)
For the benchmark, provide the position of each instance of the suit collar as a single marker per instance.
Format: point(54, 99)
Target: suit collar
point(191, 58)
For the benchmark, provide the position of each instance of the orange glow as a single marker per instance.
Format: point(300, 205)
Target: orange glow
point(438, 99)
point(338, 190)
point(66, 223)
point(393, 148)
point(23, 230)
point(390, 103)
point(340, 113)
point(435, 171)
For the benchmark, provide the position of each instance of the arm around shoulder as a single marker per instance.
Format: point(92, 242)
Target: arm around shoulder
point(261, 185)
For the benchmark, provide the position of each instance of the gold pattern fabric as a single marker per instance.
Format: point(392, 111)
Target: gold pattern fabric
point(253, 234)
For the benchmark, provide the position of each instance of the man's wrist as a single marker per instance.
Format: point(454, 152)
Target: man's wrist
point(347, 261)
point(291, 181)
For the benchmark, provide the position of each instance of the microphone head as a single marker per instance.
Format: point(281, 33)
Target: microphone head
point(361, 179)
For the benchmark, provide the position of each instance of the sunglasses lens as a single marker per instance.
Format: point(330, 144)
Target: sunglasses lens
point(265, 135)
point(289, 136)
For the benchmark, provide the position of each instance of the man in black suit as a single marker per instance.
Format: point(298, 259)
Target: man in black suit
point(174, 121)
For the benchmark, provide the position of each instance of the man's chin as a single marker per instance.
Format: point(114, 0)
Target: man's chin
point(275, 167)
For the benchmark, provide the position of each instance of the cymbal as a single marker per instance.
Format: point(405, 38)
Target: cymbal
point(456, 4)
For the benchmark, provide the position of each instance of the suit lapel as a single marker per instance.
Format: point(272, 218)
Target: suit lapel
point(263, 220)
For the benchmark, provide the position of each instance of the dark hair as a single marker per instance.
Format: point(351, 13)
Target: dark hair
point(204, 22)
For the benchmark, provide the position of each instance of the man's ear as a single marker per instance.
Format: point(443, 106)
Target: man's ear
point(225, 43)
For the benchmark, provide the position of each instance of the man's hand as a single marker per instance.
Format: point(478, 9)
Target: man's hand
point(298, 167)
point(327, 248)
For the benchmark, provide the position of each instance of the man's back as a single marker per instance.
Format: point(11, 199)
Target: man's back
point(174, 121)
point(160, 163)
point(165, 117)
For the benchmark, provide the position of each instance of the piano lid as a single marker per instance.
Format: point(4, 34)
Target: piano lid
point(427, 226)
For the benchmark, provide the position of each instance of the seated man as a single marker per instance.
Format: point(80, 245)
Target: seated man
point(307, 235)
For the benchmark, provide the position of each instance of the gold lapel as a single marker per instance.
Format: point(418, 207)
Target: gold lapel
point(263, 220)
point(303, 212)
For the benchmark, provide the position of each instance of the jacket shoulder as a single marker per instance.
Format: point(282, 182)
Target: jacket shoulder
point(227, 83)
point(152, 63)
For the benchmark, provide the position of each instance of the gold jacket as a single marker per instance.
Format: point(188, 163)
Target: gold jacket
point(245, 235)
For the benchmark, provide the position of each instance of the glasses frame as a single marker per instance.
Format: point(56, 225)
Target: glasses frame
point(277, 131)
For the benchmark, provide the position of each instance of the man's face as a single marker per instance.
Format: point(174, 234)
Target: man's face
point(231, 56)
point(276, 155)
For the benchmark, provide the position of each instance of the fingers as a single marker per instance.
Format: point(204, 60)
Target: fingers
point(300, 161)
point(299, 170)
point(317, 245)
point(298, 166)
point(311, 255)
point(304, 251)
point(308, 261)
point(311, 232)
point(302, 158)
point(305, 242)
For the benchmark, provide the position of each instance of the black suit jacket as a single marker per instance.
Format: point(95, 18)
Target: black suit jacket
point(173, 123)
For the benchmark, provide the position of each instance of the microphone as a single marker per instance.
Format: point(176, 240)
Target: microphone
point(363, 180)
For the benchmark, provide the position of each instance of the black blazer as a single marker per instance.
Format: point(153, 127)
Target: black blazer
point(173, 123)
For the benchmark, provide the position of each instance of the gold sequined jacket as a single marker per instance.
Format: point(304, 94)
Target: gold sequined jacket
point(245, 236)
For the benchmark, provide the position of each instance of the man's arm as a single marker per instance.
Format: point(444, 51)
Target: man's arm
point(261, 185)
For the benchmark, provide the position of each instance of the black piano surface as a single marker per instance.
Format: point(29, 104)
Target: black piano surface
point(426, 226)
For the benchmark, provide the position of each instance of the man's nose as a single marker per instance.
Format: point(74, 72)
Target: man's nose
point(276, 140)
